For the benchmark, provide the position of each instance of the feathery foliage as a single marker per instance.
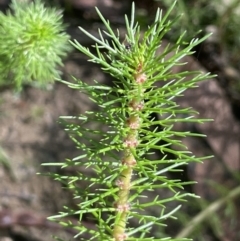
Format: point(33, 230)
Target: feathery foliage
point(117, 179)
point(32, 43)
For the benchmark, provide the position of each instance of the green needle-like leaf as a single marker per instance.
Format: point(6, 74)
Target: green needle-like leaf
point(128, 145)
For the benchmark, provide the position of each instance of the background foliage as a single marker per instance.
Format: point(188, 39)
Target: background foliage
point(33, 42)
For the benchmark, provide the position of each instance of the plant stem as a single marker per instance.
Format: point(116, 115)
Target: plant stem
point(122, 205)
point(133, 124)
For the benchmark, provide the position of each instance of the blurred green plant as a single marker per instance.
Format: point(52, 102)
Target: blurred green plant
point(33, 42)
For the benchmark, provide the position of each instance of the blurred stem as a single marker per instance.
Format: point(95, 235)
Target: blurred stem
point(210, 210)
point(6, 163)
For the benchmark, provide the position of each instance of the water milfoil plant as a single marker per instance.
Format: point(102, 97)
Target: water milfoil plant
point(126, 144)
